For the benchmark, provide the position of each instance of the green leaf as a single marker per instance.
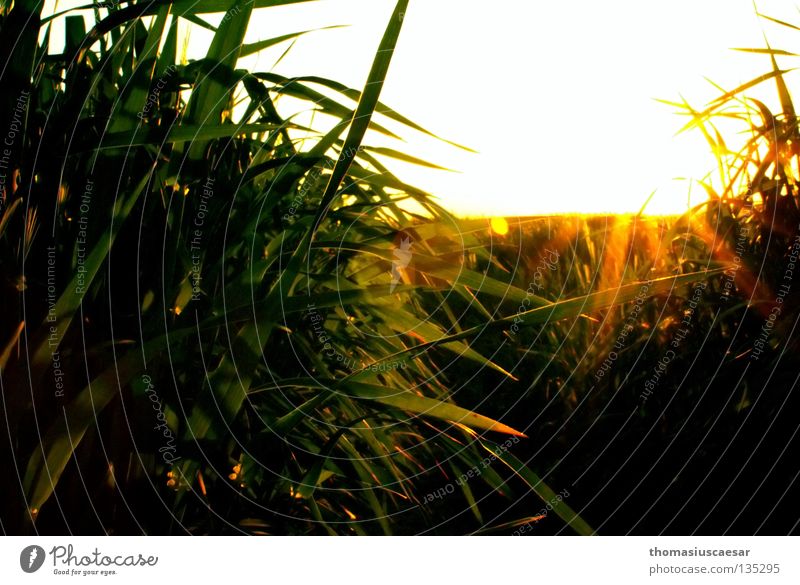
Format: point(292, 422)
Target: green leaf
point(410, 402)
point(365, 109)
point(252, 48)
point(182, 133)
point(768, 52)
point(396, 154)
point(137, 90)
point(547, 495)
point(380, 108)
point(211, 96)
point(776, 21)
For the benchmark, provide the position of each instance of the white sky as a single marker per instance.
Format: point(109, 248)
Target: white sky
point(557, 96)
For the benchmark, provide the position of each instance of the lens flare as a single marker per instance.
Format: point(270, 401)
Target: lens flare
point(499, 226)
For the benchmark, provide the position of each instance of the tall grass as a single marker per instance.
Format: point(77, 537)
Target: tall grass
point(202, 332)
point(675, 412)
point(219, 320)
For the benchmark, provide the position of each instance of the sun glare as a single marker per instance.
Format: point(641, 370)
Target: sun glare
point(576, 130)
point(499, 226)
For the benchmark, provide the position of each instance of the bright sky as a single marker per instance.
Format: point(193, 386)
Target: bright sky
point(557, 97)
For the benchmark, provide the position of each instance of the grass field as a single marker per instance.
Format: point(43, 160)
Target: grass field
point(662, 413)
point(219, 321)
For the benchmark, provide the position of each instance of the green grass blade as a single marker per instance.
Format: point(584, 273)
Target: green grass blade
point(410, 402)
point(365, 109)
point(252, 48)
point(547, 495)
